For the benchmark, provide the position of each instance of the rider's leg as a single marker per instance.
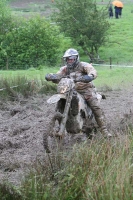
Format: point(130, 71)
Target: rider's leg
point(99, 116)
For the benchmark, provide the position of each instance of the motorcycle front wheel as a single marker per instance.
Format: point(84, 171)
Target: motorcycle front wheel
point(51, 141)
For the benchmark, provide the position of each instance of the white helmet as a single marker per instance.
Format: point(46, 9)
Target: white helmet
point(71, 54)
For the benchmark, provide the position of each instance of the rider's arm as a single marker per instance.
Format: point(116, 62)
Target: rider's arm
point(62, 71)
point(90, 70)
point(55, 78)
point(88, 73)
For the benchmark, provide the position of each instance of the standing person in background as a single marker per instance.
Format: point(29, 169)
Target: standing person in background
point(116, 12)
point(120, 11)
point(110, 11)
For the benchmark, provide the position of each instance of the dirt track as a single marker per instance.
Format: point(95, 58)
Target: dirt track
point(23, 123)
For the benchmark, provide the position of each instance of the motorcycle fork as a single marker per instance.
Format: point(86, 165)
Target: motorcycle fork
point(65, 114)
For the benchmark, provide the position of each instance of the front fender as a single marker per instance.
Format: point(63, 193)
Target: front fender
point(55, 98)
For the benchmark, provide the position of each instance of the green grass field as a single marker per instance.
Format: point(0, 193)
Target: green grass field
point(120, 45)
point(108, 79)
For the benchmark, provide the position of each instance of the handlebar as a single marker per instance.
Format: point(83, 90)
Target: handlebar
point(55, 78)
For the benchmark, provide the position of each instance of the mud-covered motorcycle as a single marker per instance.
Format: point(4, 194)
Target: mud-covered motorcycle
point(72, 114)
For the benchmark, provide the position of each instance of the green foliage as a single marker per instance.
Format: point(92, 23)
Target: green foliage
point(5, 18)
point(5, 26)
point(84, 22)
point(30, 44)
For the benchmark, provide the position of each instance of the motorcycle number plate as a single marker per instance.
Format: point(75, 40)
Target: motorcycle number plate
point(55, 98)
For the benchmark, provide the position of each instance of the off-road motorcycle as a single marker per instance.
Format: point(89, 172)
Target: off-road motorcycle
point(72, 114)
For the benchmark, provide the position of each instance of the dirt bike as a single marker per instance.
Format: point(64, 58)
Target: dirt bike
point(72, 114)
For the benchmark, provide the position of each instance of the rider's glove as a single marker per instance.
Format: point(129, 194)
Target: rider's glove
point(49, 77)
point(52, 77)
point(85, 79)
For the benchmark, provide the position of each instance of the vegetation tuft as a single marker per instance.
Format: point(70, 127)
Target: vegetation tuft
point(99, 170)
point(14, 88)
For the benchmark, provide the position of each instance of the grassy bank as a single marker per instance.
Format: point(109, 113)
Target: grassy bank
point(108, 79)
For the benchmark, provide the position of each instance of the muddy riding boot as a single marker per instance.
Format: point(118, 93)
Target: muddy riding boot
point(102, 125)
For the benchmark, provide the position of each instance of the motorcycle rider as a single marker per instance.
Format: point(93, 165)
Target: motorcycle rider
point(85, 73)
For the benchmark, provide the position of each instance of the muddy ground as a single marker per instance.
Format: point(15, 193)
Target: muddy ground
point(23, 123)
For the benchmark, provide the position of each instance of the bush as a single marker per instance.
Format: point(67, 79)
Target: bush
point(30, 44)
